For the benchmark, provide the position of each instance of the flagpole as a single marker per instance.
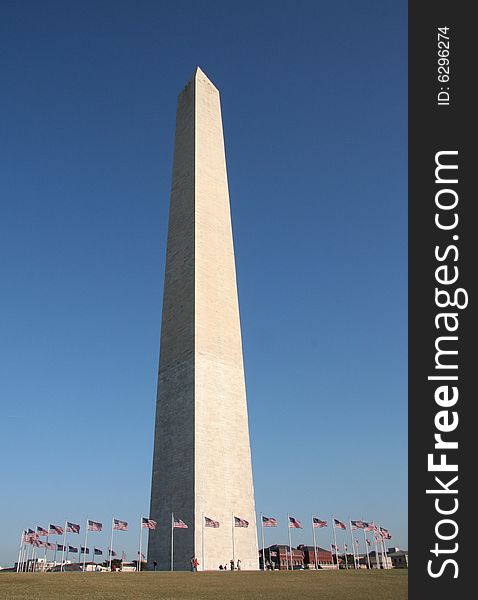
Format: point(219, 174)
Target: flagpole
point(352, 540)
point(26, 558)
point(345, 556)
point(384, 554)
point(63, 549)
point(315, 544)
point(46, 548)
point(67, 551)
point(335, 540)
point(111, 540)
point(377, 561)
point(28, 553)
point(202, 543)
point(22, 553)
point(32, 552)
point(263, 554)
point(290, 544)
point(172, 541)
point(54, 556)
point(20, 550)
point(233, 546)
point(140, 542)
point(366, 547)
point(85, 546)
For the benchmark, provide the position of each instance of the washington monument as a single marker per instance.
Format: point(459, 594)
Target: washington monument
point(202, 458)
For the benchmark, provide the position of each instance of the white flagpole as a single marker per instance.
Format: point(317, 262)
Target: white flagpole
point(345, 556)
point(46, 549)
point(172, 542)
point(233, 545)
point(263, 552)
point(290, 544)
point(29, 554)
point(20, 550)
point(85, 546)
point(63, 549)
point(377, 560)
point(54, 556)
point(24, 557)
point(315, 544)
point(366, 547)
point(352, 541)
point(22, 554)
point(140, 542)
point(384, 554)
point(67, 551)
point(335, 540)
point(202, 543)
point(111, 540)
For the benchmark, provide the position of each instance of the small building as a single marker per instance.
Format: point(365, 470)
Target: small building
point(324, 557)
point(398, 557)
point(374, 564)
point(278, 555)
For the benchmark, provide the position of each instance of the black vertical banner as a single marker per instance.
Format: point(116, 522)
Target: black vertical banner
point(442, 274)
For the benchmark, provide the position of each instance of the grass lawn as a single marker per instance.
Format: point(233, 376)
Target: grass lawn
point(299, 585)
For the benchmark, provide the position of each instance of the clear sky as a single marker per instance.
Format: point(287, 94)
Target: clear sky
point(314, 105)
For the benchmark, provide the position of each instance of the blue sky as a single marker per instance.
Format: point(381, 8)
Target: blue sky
point(315, 117)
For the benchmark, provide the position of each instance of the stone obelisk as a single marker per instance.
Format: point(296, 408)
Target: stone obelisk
point(202, 458)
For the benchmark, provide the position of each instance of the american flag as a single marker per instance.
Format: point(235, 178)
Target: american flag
point(339, 525)
point(98, 551)
point(41, 531)
point(295, 523)
point(335, 547)
point(142, 557)
point(269, 522)
point(56, 530)
point(72, 549)
point(318, 523)
point(385, 533)
point(358, 524)
point(179, 524)
point(30, 536)
point(50, 546)
point(367, 542)
point(369, 527)
point(238, 522)
point(60, 547)
point(346, 547)
point(120, 525)
point(38, 543)
point(210, 523)
point(111, 552)
point(148, 523)
point(72, 527)
point(94, 526)
point(84, 550)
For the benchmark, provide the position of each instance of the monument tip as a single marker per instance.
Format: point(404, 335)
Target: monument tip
point(199, 74)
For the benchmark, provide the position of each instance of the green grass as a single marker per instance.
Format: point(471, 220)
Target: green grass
point(300, 585)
